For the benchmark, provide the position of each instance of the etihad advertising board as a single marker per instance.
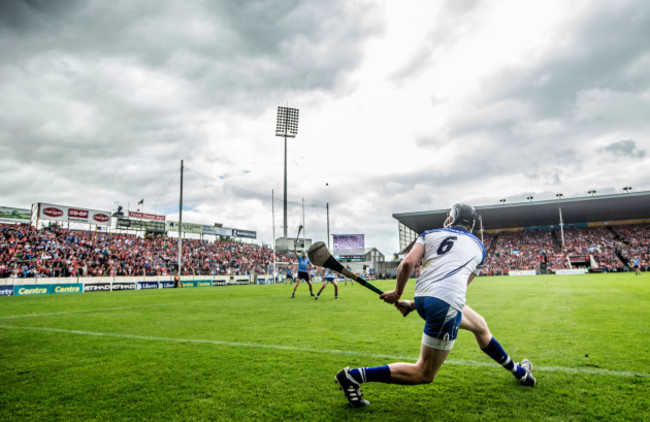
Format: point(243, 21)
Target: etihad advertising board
point(73, 214)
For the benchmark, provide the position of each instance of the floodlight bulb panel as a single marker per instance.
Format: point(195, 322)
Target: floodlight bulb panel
point(287, 123)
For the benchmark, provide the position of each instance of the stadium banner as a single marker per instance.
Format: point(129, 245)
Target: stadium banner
point(522, 273)
point(224, 231)
point(249, 234)
point(264, 279)
point(172, 226)
point(146, 216)
point(241, 279)
point(197, 283)
point(42, 289)
point(351, 257)
point(97, 287)
point(220, 280)
point(73, 214)
point(209, 230)
point(167, 284)
point(6, 290)
point(15, 215)
point(349, 245)
point(217, 231)
point(150, 226)
point(122, 286)
point(145, 285)
point(67, 288)
point(571, 272)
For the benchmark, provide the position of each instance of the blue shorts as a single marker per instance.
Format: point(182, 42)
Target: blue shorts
point(441, 322)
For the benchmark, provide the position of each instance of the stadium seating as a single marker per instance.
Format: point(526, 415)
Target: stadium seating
point(604, 248)
point(58, 252)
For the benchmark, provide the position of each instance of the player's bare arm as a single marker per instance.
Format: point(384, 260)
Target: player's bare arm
point(404, 272)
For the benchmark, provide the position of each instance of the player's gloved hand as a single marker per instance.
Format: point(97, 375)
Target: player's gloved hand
point(390, 296)
point(404, 306)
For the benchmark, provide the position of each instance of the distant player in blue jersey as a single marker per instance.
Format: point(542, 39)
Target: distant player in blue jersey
point(289, 275)
point(329, 277)
point(637, 266)
point(451, 258)
point(348, 279)
point(303, 271)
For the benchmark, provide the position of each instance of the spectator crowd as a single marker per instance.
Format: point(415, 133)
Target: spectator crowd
point(57, 252)
point(600, 248)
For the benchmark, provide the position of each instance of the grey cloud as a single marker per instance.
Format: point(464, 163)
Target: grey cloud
point(234, 47)
point(21, 16)
point(609, 46)
point(597, 85)
point(572, 96)
point(67, 102)
point(443, 36)
point(624, 148)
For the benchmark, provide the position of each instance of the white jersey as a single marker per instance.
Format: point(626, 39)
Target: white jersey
point(450, 256)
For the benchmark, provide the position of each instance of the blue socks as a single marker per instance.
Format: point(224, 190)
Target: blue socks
point(496, 352)
point(493, 349)
point(374, 374)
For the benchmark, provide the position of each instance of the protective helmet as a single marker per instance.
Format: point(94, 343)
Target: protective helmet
point(461, 215)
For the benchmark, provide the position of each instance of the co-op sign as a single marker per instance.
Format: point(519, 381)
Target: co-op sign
point(73, 214)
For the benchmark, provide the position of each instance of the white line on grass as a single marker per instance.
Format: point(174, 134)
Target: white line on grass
point(84, 311)
point(587, 371)
point(117, 308)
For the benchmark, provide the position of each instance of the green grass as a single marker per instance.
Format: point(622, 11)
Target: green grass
point(252, 353)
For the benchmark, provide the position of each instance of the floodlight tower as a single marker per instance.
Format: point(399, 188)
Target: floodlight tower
point(287, 126)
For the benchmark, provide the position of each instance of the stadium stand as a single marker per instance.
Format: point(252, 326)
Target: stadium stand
point(57, 252)
point(600, 233)
point(601, 249)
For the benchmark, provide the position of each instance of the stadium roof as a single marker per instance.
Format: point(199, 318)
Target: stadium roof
point(591, 209)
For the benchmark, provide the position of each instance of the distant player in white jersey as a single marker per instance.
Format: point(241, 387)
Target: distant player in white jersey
point(451, 258)
point(329, 277)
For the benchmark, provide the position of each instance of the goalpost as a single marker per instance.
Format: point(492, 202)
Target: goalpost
point(281, 274)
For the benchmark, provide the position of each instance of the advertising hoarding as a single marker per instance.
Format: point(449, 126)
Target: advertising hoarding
point(65, 213)
point(172, 226)
point(150, 226)
point(41, 289)
point(249, 234)
point(15, 215)
point(146, 216)
point(217, 231)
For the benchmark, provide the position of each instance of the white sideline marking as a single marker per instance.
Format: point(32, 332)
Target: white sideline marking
point(83, 311)
point(117, 308)
point(586, 371)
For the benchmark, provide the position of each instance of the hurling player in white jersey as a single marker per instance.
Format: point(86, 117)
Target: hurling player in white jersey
point(329, 277)
point(451, 258)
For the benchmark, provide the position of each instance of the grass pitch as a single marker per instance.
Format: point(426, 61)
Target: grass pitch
point(252, 353)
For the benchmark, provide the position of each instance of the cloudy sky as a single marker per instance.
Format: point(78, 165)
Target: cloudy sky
point(404, 106)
